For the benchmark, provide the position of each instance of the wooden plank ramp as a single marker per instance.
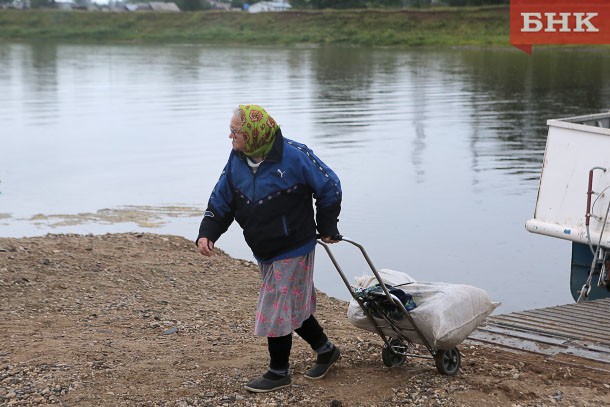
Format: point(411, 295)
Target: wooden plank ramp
point(581, 330)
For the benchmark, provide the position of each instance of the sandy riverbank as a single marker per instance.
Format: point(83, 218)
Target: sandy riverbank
point(143, 319)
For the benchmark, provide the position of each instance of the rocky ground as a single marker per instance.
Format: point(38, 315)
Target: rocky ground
point(144, 320)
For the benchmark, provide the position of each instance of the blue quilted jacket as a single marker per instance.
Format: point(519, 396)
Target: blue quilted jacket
point(274, 206)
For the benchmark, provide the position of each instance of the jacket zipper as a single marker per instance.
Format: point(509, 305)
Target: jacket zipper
point(254, 187)
point(285, 225)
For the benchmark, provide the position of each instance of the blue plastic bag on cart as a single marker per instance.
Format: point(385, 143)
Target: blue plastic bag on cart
point(377, 303)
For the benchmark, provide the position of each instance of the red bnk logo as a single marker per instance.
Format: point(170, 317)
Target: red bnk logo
point(559, 22)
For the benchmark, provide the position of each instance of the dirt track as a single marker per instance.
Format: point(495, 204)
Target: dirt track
point(144, 320)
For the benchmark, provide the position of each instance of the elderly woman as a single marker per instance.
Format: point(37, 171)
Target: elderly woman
point(268, 186)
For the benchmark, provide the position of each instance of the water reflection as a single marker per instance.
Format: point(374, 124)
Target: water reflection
point(420, 68)
point(512, 96)
point(40, 91)
point(343, 95)
point(439, 151)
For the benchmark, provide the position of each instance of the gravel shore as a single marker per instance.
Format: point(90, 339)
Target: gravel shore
point(144, 320)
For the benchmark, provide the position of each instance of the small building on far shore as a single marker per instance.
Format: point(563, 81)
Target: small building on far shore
point(269, 6)
point(161, 6)
point(219, 5)
point(152, 6)
point(137, 7)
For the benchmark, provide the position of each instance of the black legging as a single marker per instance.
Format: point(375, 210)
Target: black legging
point(279, 346)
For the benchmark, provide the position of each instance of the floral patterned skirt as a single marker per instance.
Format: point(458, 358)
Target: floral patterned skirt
point(287, 296)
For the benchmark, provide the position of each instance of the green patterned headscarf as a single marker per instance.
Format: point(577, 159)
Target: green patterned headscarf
point(259, 130)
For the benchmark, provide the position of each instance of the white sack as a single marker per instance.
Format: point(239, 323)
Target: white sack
point(446, 313)
point(391, 277)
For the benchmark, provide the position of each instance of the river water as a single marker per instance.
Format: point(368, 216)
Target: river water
point(439, 151)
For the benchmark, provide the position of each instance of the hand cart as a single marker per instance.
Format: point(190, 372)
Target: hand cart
point(397, 346)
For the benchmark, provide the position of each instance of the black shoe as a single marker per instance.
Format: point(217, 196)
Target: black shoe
point(323, 364)
point(268, 382)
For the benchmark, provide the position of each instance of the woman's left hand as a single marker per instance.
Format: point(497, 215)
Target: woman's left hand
point(329, 239)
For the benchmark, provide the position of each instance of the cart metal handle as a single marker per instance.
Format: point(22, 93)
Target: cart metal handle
point(391, 297)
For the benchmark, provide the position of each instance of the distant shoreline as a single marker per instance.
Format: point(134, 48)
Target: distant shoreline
point(457, 26)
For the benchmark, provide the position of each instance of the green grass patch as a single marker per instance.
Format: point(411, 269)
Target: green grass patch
point(399, 27)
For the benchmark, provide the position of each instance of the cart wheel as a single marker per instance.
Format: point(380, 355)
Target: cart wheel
point(390, 356)
point(448, 361)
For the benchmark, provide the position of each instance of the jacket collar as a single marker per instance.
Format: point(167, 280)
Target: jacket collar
point(275, 155)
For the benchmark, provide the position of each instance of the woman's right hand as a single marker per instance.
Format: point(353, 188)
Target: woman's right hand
point(205, 246)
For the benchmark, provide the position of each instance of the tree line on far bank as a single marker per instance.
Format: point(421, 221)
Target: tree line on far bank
point(195, 5)
point(347, 4)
